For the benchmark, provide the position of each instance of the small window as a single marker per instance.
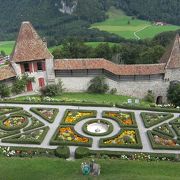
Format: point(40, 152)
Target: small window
point(39, 66)
point(26, 67)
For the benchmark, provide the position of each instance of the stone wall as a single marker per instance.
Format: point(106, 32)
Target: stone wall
point(131, 88)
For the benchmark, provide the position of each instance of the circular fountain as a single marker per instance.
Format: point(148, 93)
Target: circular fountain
point(97, 127)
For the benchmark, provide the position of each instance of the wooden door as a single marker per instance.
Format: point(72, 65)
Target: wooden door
point(29, 87)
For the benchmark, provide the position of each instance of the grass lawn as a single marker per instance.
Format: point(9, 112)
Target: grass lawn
point(54, 169)
point(96, 98)
point(118, 23)
point(7, 46)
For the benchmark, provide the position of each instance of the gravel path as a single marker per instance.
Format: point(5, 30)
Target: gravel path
point(78, 127)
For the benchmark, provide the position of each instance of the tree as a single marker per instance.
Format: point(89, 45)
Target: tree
point(103, 50)
point(174, 93)
point(98, 85)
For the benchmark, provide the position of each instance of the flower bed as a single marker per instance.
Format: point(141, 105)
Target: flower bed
point(160, 141)
point(35, 123)
point(164, 129)
point(7, 110)
point(151, 119)
point(66, 135)
point(110, 127)
point(13, 122)
point(71, 116)
point(32, 137)
point(124, 119)
point(126, 138)
point(8, 133)
point(49, 114)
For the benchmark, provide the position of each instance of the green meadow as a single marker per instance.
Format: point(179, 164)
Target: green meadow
point(7, 46)
point(125, 26)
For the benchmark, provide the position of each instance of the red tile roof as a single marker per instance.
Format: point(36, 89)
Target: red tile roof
point(77, 64)
point(172, 55)
point(6, 72)
point(29, 46)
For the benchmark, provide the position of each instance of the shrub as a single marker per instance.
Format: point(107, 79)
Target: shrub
point(4, 90)
point(150, 97)
point(20, 83)
point(82, 152)
point(52, 90)
point(174, 93)
point(113, 91)
point(98, 85)
point(62, 152)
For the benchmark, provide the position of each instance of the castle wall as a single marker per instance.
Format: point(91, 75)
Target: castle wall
point(131, 88)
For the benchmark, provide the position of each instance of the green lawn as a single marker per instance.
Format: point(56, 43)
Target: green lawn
point(96, 98)
point(56, 169)
point(118, 23)
point(7, 46)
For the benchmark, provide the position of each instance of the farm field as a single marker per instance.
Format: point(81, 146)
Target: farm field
point(123, 25)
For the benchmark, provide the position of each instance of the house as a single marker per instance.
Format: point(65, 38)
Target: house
point(31, 56)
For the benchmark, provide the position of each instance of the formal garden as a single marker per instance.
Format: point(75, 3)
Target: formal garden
point(81, 131)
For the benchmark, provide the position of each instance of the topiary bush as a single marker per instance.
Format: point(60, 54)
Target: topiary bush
point(82, 152)
point(98, 85)
point(150, 97)
point(62, 152)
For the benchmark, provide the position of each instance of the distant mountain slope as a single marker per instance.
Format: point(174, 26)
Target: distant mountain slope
point(158, 10)
point(59, 19)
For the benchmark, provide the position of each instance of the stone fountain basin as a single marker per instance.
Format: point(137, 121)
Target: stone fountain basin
point(97, 127)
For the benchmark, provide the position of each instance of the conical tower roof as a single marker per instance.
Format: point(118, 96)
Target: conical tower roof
point(29, 46)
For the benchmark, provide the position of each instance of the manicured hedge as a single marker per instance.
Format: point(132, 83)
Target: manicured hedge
point(62, 152)
point(13, 128)
point(147, 125)
point(60, 103)
point(54, 141)
point(44, 117)
point(9, 133)
point(157, 146)
point(82, 152)
point(134, 125)
point(28, 151)
point(26, 141)
point(135, 107)
point(175, 121)
point(110, 129)
point(176, 128)
point(79, 119)
point(163, 132)
point(86, 153)
point(14, 109)
point(133, 146)
point(33, 124)
point(23, 112)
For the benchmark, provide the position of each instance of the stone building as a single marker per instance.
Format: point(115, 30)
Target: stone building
point(31, 56)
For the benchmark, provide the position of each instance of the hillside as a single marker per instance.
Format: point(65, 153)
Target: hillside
point(58, 19)
point(130, 27)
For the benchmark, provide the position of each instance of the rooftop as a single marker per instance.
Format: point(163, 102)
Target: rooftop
point(29, 46)
point(6, 72)
point(140, 69)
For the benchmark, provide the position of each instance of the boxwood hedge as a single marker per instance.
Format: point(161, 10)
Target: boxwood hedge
point(110, 127)
point(132, 115)
point(94, 114)
point(54, 141)
point(138, 145)
point(35, 110)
